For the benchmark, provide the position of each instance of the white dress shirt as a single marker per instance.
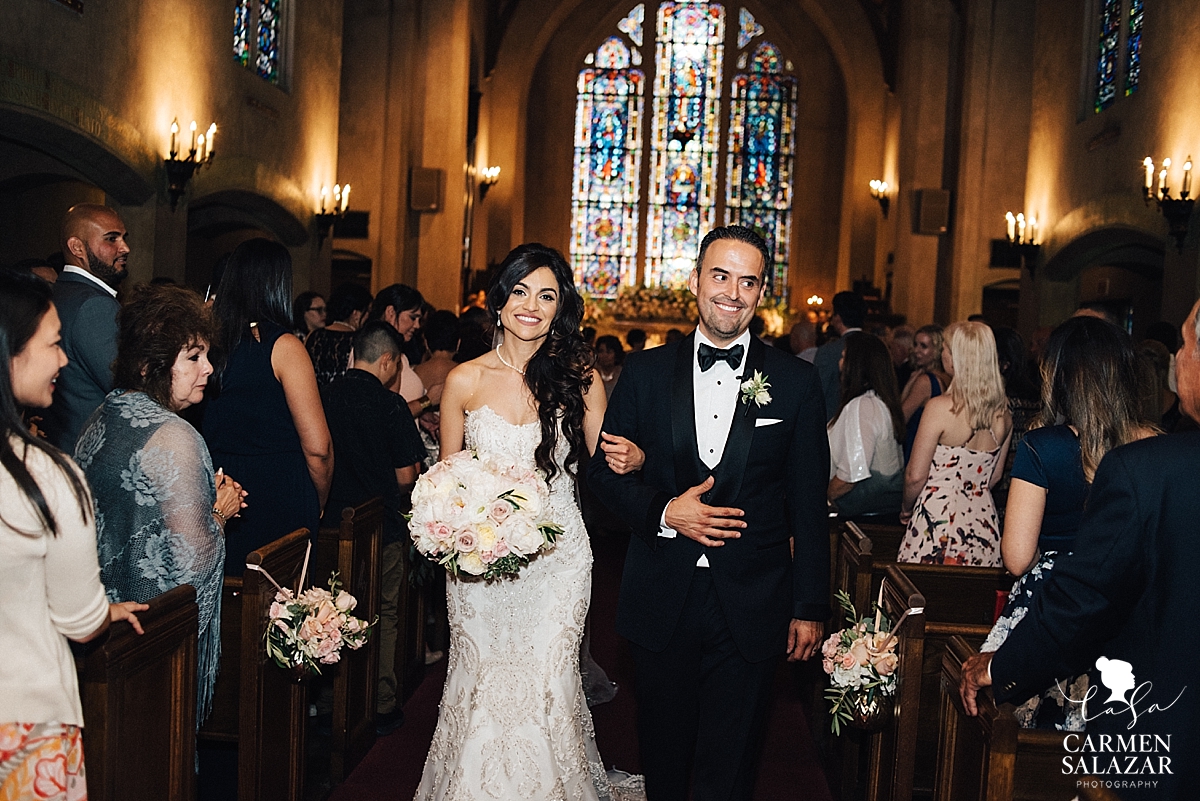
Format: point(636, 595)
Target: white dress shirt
point(715, 400)
point(71, 268)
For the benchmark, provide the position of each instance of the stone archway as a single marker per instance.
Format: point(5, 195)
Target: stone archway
point(220, 221)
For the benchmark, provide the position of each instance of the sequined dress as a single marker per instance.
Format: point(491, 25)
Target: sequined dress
point(513, 723)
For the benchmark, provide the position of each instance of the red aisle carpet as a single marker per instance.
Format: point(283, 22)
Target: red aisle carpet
point(790, 767)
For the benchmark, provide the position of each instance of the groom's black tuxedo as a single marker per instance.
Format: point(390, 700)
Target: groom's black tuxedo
point(777, 474)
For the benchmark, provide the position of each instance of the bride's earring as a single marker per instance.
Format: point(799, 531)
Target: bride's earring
point(497, 335)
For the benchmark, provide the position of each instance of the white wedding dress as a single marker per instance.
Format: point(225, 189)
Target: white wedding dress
point(513, 722)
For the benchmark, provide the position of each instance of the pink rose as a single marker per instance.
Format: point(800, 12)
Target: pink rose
point(885, 664)
point(310, 629)
point(487, 556)
point(441, 532)
point(827, 665)
point(501, 549)
point(858, 650)
point(847, 661)
point(464, 541)
point(829, 648)
point(499, 510)
point(278, 611)
point(345, 601)
point(326, 611)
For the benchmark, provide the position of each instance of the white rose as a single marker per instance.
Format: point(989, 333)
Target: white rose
point(523, 537)
point(471, 564)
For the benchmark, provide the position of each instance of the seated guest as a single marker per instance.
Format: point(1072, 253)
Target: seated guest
point(401, 307)
point(308, 314)
point(928, 379)
point(50, 590)
point(1124, 594)
point(379, 455)
point(609, 358)
point(1024, 402)
point(1089, 377)
point(160, 508)
point(957, 455)
point(901, 348)
point(866, 466)
point(329, 347)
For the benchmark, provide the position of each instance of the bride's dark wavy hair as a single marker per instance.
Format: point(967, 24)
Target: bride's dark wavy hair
point(560, 372)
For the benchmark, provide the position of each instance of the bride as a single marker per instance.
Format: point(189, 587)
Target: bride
point(513, 723)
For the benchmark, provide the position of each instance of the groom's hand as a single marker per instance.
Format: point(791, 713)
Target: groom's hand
point(804, 637)
point(621, 454)
point(696, 520)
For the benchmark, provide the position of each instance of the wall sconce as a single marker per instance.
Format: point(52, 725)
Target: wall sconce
point(815, 300)
point(1019, 248)
point(1177, 211)
point(879, 191)
point(488, 177)
point(329, 214)
point(200, 154)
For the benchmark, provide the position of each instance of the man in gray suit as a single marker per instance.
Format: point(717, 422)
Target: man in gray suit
point(95, 252)
point(849, 314)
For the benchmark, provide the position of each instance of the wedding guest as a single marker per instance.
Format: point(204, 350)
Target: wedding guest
point(866, 465)
point(588, 332)
point(442, 337)
point(928, 380)
point(50, 590)
point(400, 307)
point(163, 508)
point(329, 346)
point(264, 422)
point(1155, 397)
point(1024, 403)
point(474, 334)
point(1090, 406)
point(635, 338)
point(803, 340)
point(42, 268)
point(901, 348)
point(379, 455)
point(673, 335)
point(849, 314)
point(957, 455)
point(308, 314)
point(609, 358)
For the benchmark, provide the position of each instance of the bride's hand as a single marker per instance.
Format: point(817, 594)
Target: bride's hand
point(622, 455)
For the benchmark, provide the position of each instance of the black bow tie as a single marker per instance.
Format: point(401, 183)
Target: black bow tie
point(707, 356)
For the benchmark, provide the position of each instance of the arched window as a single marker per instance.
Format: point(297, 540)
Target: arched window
point(1111, 65)
point(684, 188)
point(257, 37)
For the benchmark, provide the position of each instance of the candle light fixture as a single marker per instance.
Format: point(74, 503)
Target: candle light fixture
point(329, 213)
point(488, 177)
point(1176, 211)
point(879, 191)
point(200, 154)
point(1020, 247)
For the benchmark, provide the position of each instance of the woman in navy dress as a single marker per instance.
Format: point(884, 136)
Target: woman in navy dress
point(1090, 406)
point(264, 422)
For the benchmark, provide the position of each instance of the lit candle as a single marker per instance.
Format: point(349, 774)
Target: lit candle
point(212, 134)
point(345, 197)
point(200, 151)
point(1186, 189)
point(1012, 226)
point(1149, 165)
point(1021, 228)
point(174, 137)
point(1033, 225)
point(1164, 191)
point(324, 195)
point(193, 137)
point(337, 197)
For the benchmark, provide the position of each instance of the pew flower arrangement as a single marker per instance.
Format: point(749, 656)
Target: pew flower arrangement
point(861, 661)
point(478, 517)
point(310, 629)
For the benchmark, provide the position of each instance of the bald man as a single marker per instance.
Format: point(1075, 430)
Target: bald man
point(95, 252)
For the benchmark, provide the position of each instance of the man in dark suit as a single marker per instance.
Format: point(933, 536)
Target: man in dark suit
point(734, 471)
point(849, 314)
point(85, 294)
point(1128, 593)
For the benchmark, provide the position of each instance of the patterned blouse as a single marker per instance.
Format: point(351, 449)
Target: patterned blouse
point(152, 480)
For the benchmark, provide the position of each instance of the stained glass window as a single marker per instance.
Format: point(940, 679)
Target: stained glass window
point(241, 32)
point(685, 137)
point(267, 62)
point(758, 188)
point(1133, 46)
point(608, 159)
point(1106, 68)
point(748, 28)
point(631, 26)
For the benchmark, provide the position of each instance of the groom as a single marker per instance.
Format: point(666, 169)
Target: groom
point(712, 594)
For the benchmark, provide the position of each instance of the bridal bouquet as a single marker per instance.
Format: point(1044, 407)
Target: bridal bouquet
point(477, 516)
point(861, 661)
point(309, 630)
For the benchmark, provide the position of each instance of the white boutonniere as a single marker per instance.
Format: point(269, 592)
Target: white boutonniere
point(754, 390)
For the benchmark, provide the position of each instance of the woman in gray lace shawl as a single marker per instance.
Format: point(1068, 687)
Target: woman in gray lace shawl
point(160, 509)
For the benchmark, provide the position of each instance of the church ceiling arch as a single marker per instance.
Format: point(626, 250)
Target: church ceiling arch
point(230, 210)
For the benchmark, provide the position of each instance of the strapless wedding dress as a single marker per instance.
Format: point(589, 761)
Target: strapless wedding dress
point(513, 722)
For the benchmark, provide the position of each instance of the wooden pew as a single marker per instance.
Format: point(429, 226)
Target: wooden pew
point(989, 757)
point(139, 704)
point(255, 703)
point(886, 756)
point(353, 549)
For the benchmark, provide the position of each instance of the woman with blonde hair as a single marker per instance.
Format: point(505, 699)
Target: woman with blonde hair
point(956, 456)
point(928, 380)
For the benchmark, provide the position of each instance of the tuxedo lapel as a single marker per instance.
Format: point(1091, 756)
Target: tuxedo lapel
point(689, 470)
point(741, 431)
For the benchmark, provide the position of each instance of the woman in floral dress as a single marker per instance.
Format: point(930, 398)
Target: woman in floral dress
point(1090, 406)
point(956, 457)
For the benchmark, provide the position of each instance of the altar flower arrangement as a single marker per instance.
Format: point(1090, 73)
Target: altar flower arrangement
point(861, 662)
point(479, 517)
point(310, 629)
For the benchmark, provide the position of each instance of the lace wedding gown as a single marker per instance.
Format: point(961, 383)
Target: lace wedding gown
point(513, 722)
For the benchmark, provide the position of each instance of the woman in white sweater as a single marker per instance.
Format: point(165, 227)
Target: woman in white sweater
point(866, 462)
point(50, 589)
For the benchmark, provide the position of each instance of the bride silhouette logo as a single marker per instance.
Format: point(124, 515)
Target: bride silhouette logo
point(1126, 695)
point(1116, 675)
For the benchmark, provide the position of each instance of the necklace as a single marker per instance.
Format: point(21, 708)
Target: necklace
point(506, 364)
